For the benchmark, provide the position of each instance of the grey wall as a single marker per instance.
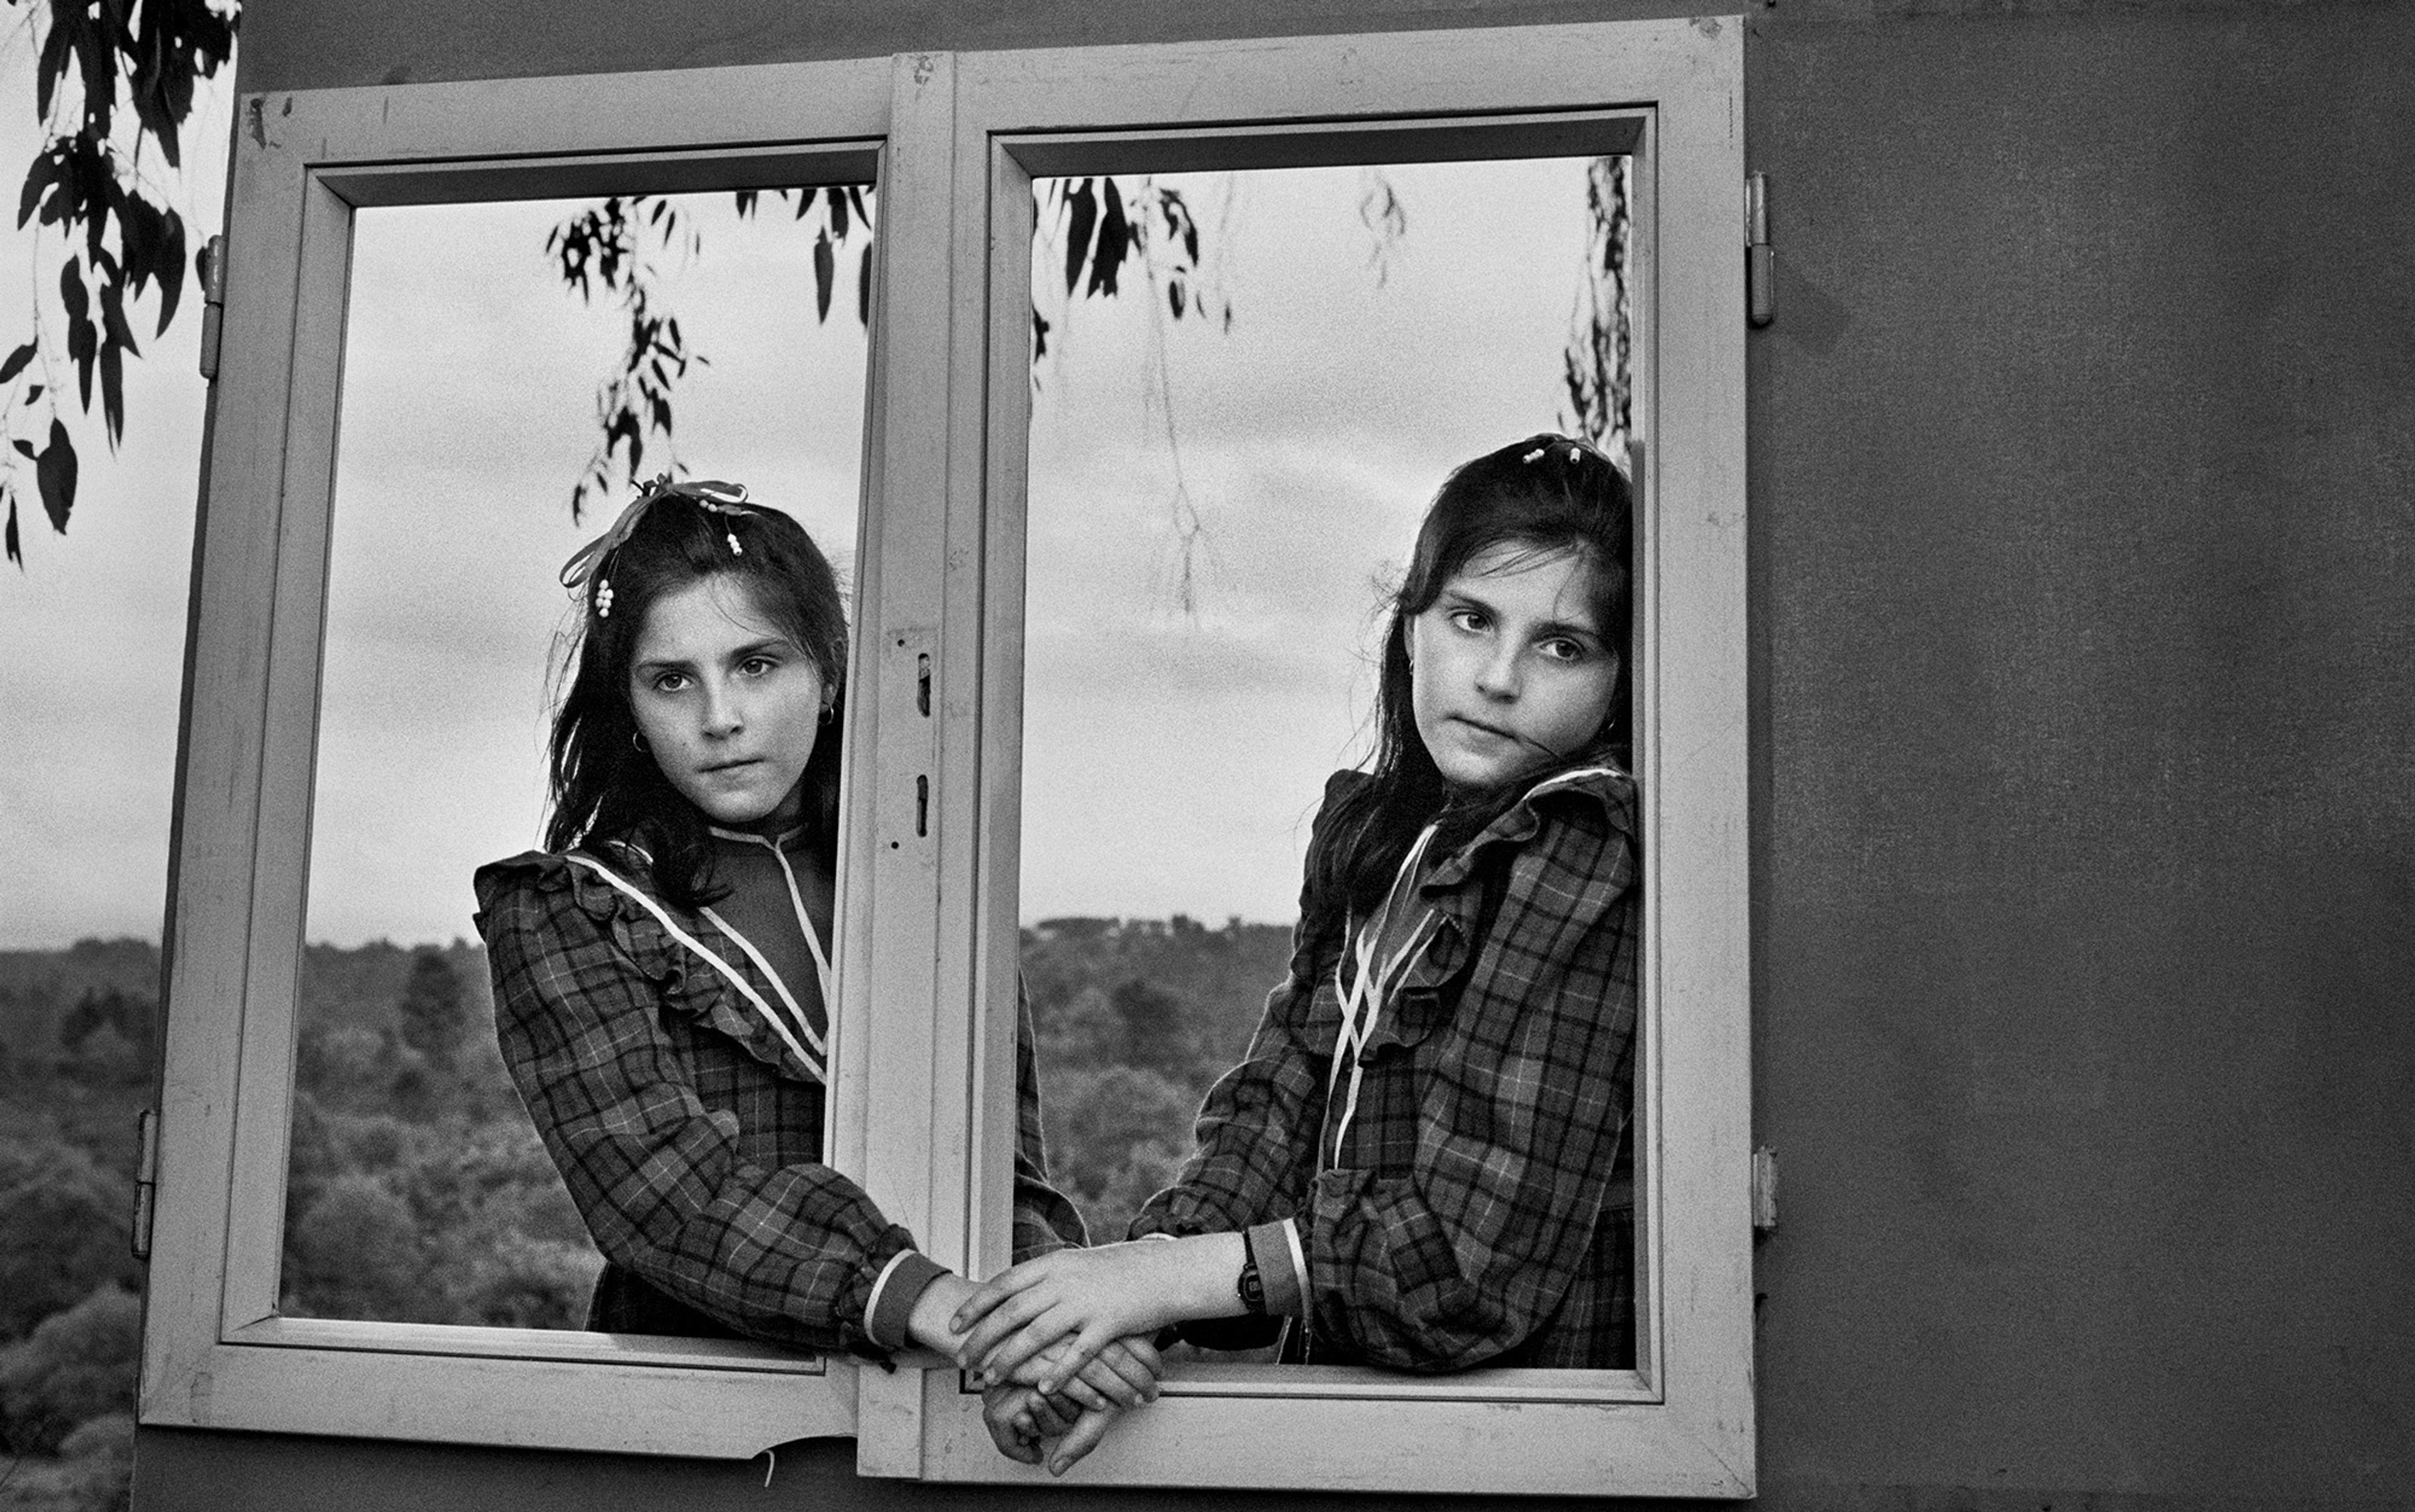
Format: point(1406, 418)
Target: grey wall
point(2083, 492)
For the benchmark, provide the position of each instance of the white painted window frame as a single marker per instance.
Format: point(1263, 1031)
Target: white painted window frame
point(922, 1109)
point(216, 1352)
point(1681, 1424)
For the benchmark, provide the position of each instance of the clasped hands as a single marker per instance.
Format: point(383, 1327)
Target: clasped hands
point(1062, 1341)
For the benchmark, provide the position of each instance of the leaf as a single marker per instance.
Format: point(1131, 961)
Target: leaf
point(112, 390)
point(1116, 239)
point(112, 317)
point(804, 202)
point(1082, 217)
point(94, 183)
point(33, 392)
point(116, 344)
point(1039, 336)
point(53, 63)
point(8, 538)
point(40, 174)
point(1177, 214)
point(83, 337)
point(138, 229)
point(16, 362)
point(824, 271)
point(170, 270)
point(746, 202)
point(838, 216)
point(24, 447)
point(55, 472)
point(863, 286)
point(1174, 296)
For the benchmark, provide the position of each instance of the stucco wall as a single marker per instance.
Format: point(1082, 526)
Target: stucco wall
point(2083, 493)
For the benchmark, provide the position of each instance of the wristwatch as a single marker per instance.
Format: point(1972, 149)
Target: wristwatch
point(1251, 1287)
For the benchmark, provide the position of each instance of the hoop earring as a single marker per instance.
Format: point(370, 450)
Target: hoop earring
point(830, 712)
point(638, 742)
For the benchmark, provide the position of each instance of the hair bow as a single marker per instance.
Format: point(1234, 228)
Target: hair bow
point(705, 493)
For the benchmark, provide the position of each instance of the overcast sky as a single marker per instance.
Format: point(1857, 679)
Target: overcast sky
point(1173, 754)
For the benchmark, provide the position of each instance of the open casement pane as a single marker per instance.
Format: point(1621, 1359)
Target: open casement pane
point(313, 173)
point(416, 1189)
point(1667, 95)
point(1210, 507)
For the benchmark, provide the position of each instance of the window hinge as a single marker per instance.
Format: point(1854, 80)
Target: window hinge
point(213, 268)
point(147, 1178)
point(1758, 307)
point(1764, 1190)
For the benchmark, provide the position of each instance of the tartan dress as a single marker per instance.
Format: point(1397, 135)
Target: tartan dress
point(1479, 1211)
point(687, 1128)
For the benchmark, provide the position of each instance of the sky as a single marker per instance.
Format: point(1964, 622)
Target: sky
point(1173, 747)
point(91, 631)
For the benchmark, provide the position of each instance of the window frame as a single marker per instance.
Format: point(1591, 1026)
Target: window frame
point(922, 1095)
point(1682, 1423)
point(216, 1355)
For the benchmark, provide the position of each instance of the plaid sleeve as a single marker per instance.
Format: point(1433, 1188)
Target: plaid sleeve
point(1509, 1131)
point(787, 1254)
point(1044, 1218)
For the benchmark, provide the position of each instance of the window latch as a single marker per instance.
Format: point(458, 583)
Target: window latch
point(147, 1178)
point(1764, 1190)
point(213, 270)
point(1758, 307)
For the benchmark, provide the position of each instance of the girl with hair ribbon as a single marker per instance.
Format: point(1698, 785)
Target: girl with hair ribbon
point(1420, 1164)
point(661, 978)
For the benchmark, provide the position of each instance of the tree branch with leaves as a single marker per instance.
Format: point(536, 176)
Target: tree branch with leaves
point(114, 85)
point(607, 251)
point(101, 216)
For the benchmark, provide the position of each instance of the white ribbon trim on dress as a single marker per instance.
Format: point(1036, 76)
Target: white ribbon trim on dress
point(812, 1063)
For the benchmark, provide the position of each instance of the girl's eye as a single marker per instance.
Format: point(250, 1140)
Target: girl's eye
point(669, 681)
point(757, 666)
point(1564, 651)
point(1470, 620)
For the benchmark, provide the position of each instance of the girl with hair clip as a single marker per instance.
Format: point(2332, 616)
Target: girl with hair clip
point(1420, 1163)
point(662, 984)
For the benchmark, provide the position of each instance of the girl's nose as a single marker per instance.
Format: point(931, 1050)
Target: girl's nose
point(722, 715)
point(1496, 676)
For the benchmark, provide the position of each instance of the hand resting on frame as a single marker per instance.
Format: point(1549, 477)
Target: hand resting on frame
point(1077, 1302)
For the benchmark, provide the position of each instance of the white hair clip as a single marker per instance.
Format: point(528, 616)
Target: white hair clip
point(1535, 456)
point(603, 600)
point(1576, 452)
point(735, 549)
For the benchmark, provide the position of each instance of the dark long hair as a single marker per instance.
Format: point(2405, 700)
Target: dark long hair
point(1546, 494)
point(603, 788)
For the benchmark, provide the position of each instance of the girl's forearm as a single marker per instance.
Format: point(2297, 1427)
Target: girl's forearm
point(928, 1325)
point(1200, 1277)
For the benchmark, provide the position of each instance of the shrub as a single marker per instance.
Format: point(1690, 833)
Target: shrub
point(76, 1365)
point(62, 1227)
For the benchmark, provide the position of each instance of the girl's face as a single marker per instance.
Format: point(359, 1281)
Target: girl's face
point(1510, 669)
point(729, 705)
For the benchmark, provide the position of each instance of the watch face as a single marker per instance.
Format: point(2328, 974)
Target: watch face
point(1253, 1289)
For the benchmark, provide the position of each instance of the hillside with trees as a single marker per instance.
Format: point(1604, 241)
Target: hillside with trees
point(77, 1029)
point(416, 1190)
point(1135, 1020)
